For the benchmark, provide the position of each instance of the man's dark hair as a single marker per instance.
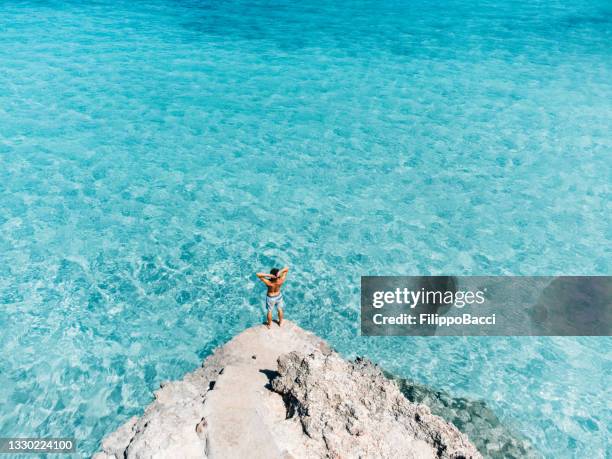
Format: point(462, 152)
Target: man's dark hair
point(274, 271)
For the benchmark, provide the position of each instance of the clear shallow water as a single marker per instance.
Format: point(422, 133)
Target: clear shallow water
point(154, 154)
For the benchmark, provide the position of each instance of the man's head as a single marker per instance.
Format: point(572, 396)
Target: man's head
point(274, 272)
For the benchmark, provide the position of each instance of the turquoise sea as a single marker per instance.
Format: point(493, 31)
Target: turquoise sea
point(155, 153)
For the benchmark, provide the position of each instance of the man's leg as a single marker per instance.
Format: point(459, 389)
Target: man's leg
point(269, 322)
point(280, 316)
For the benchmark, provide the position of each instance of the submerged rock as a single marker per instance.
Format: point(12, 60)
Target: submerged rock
point(297, 399)
point(474, 418)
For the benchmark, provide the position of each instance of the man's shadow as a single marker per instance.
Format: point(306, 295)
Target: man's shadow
point(271, 375)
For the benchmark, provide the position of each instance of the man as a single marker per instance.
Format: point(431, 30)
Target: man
point(274, 297)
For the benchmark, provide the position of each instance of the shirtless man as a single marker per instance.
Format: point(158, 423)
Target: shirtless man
point(274, 281)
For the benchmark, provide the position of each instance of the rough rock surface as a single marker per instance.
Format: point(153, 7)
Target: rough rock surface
point(350, 409)
point(282, 393)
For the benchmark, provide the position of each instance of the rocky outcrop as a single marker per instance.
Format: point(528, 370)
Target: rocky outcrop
point(282, 393)
point(349, 409)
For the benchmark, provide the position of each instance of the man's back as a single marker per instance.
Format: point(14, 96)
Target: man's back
point(275, 285)
point(274, 281)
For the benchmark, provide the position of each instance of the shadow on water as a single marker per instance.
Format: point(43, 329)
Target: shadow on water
point(574, 306)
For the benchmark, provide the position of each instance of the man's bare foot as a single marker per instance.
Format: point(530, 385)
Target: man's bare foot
point(267, 325)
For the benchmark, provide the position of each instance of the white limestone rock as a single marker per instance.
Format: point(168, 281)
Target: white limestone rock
point(283, 393)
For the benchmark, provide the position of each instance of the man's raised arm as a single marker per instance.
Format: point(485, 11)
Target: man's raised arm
point(264, 277)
